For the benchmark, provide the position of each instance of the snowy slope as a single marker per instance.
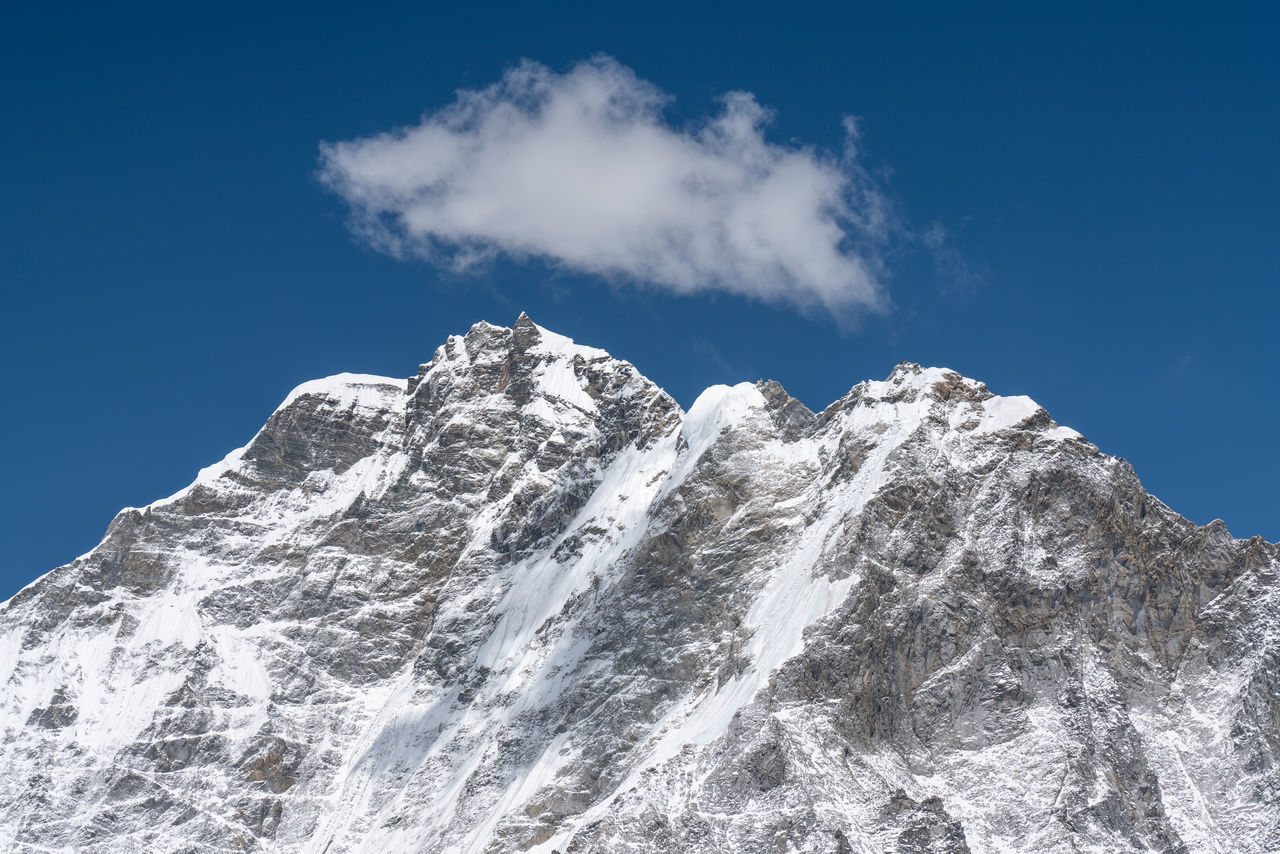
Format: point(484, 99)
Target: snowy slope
point(522, 601)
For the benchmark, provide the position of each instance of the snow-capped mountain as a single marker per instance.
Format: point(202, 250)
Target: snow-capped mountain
point(524, 602)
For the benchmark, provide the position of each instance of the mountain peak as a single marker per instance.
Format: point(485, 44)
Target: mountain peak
point(525, 334)
point(525, 602)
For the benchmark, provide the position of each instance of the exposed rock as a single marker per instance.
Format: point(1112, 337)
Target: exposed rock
point(522, 601)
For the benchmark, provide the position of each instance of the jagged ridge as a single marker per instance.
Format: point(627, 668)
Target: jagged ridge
point(524, 601)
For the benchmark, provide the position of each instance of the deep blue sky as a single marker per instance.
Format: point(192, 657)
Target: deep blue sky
point(170, 266)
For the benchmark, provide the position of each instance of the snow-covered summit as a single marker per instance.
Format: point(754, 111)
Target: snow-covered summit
point(523, 601)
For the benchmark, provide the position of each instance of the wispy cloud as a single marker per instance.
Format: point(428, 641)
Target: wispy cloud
point(583, 169)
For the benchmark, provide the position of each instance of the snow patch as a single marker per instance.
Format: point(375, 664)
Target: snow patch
point(344, 390)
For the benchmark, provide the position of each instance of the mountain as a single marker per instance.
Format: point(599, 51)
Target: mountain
point(523, 601)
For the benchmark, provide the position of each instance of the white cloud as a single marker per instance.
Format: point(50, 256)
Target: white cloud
point(583, 170)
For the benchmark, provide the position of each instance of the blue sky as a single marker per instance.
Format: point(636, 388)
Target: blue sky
point(173, 260)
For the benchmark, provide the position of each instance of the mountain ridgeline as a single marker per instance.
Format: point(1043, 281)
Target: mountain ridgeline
point(523, 601)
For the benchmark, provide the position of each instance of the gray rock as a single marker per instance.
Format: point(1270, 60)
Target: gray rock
point(523, 601)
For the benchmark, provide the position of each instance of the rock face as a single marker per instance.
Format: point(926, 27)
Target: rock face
point(524, 602)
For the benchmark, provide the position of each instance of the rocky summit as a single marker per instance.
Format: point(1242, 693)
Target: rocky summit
point(523, 601)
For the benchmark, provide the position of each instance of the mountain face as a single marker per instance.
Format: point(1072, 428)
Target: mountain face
point(524, 602)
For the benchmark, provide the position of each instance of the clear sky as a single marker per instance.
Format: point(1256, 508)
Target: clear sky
point(176, 253)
